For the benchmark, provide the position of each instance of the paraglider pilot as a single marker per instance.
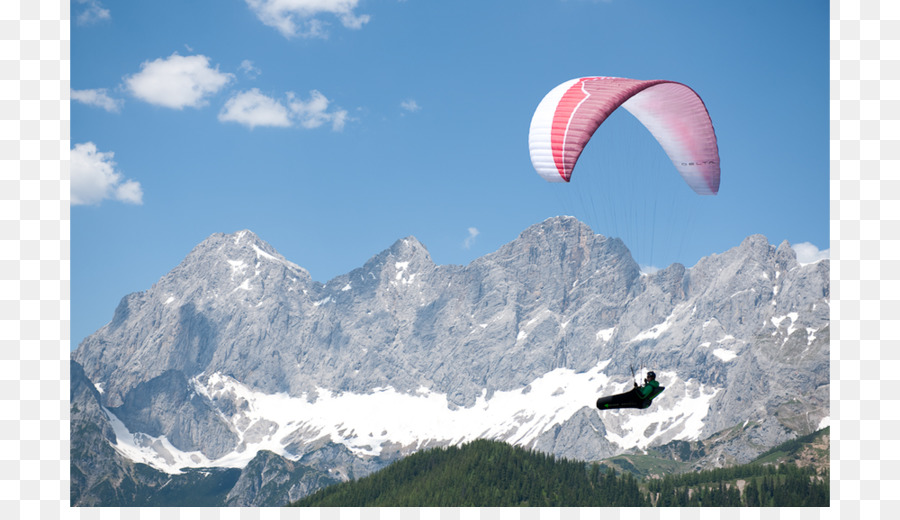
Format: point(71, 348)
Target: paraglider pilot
point(638, 397)
point(649, 386)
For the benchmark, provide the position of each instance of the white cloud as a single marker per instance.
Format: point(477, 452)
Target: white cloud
point(97, 97)
point(410, 105)
point(301, 17)
point(649, 269)
point(808, 253)
point(177, 81)
point(249, 69)
point(473, 232)
point(252, 108)
point(130, 192)
point(93, 12)
point(314, 112)
point(94, 178)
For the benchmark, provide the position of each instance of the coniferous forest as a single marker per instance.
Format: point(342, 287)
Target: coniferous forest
point(483, 473)
point(494, 474)
point(749, 485)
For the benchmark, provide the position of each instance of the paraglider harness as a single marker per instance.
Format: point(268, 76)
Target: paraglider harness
point(648, 391)
point(639, 397)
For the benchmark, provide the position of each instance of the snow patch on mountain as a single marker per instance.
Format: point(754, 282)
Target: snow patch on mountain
point(684, 416)
point(262, 254)
point(605, 334)
point(654, 331)
point(777, 320)
point(810, 335)
point(364, 423)
point(156, 452)
point(237, 266)
point(724, 355)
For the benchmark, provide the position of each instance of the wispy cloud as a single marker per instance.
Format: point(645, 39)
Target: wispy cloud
point(303, 17)
point(808, 253)
point(410, 105)
point(313, 112)
point(249, 69)
point(91, 12)
point(177, 81)
point(97, 97)
point(649, 269)
point(252, 108)
point(94, 178)
point(473, 232)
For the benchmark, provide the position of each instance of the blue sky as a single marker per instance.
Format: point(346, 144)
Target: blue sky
point(332, 128)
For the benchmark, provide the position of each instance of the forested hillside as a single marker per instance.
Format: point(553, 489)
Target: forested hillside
point(484, 473)
point(490, 474)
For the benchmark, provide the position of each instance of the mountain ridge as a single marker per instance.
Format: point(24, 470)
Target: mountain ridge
point(518, 342)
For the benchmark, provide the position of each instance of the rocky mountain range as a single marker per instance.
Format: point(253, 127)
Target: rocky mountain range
point(238, 359)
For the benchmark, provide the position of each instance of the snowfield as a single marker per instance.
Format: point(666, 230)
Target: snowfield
point(365, 422)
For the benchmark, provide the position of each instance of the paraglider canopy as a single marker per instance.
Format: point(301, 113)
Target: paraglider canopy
point(568, 116)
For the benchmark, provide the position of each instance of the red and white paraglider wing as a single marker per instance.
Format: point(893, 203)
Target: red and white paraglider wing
point(568, 116)
point(541, 135)
point(677, 118)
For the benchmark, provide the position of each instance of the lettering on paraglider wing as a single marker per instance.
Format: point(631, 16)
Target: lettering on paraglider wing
point(698, 163)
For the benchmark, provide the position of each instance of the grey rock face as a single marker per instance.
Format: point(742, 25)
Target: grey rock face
point(93, 459)
point(270, 480)
point(583, 437)
point(749, 327)
point(167, 406)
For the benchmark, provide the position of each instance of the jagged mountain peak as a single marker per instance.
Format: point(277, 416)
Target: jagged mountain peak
point(755, 248)
point(406, 255)
point(551, 236)
point(409, 249)
point(756, 242)
point(560, 227)
point(243, 244)
point(786, 257)
point(565, 232)
point(218, 241)
point(565, 249)
point(235, 256)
